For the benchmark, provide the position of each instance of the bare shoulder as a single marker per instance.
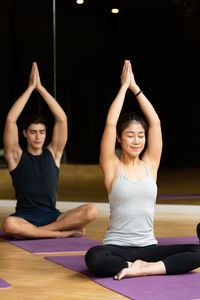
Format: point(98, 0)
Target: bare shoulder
point(56, 155)
point(111, 172)
point(151, 165)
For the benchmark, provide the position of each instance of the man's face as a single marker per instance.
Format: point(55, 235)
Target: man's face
point(35, 135)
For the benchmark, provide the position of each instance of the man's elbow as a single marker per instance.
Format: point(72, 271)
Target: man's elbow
point(62, 119)
point(10, 119)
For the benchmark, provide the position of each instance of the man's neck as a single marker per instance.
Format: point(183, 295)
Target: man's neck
point(34, 151)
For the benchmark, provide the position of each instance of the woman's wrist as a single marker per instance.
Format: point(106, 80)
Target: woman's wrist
point(135, 89)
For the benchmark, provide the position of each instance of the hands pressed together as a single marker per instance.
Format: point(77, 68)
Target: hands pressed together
point(127, 77)
point(34, 78)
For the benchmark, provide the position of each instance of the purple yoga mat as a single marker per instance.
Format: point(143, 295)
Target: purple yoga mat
point(4, 284)
point(56, 245)
point(178, 240)
point(78, 244)
point(165, 287)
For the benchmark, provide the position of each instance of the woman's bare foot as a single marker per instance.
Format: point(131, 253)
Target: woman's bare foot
point(142, 268)
point(134, 269)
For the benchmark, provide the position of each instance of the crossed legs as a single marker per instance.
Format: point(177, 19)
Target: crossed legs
point(126, 261)
point(70, 223)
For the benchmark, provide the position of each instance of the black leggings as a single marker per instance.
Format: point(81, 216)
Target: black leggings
point(108, 260)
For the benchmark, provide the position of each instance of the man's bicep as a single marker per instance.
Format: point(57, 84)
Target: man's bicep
point(12, 150)
point(10, 137)
point(59, 137)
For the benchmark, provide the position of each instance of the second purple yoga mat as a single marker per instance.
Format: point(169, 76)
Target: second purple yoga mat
point(171, 287)
point(178, 240)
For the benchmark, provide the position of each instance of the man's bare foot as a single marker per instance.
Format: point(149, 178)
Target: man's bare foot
point(135, 269)
point(70, 233)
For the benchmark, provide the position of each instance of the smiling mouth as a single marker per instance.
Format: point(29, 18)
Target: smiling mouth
point(135, 148)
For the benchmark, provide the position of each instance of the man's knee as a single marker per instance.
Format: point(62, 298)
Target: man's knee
point(91, 212)
point(11, 226)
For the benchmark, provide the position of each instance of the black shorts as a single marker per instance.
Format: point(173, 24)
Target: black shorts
point(38, 216)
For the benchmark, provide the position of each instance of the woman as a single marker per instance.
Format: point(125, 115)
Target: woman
point(129, 247)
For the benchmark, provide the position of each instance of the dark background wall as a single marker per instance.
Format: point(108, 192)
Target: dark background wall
point(161, 38)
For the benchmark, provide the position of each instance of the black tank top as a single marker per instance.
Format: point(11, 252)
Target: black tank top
point(35, 180)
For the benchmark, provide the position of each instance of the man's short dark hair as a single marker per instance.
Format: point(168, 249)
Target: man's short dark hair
point(34, 119)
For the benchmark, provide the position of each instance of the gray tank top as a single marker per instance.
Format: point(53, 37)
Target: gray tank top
point(132, 206)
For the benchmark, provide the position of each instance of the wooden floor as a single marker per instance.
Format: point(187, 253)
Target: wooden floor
point(33, 277)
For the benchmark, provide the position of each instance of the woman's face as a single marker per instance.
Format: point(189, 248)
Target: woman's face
point(133, 139)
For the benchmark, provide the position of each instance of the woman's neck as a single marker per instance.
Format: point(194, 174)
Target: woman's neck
point(127, 160)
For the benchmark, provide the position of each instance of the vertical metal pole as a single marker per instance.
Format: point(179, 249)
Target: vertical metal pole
point(54, 47)
point(64, 157)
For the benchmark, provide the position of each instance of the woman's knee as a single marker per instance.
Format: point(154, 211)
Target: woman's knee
point(94, 258)
point(102, 262)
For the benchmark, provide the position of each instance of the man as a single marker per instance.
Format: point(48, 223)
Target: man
point(35, 171)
